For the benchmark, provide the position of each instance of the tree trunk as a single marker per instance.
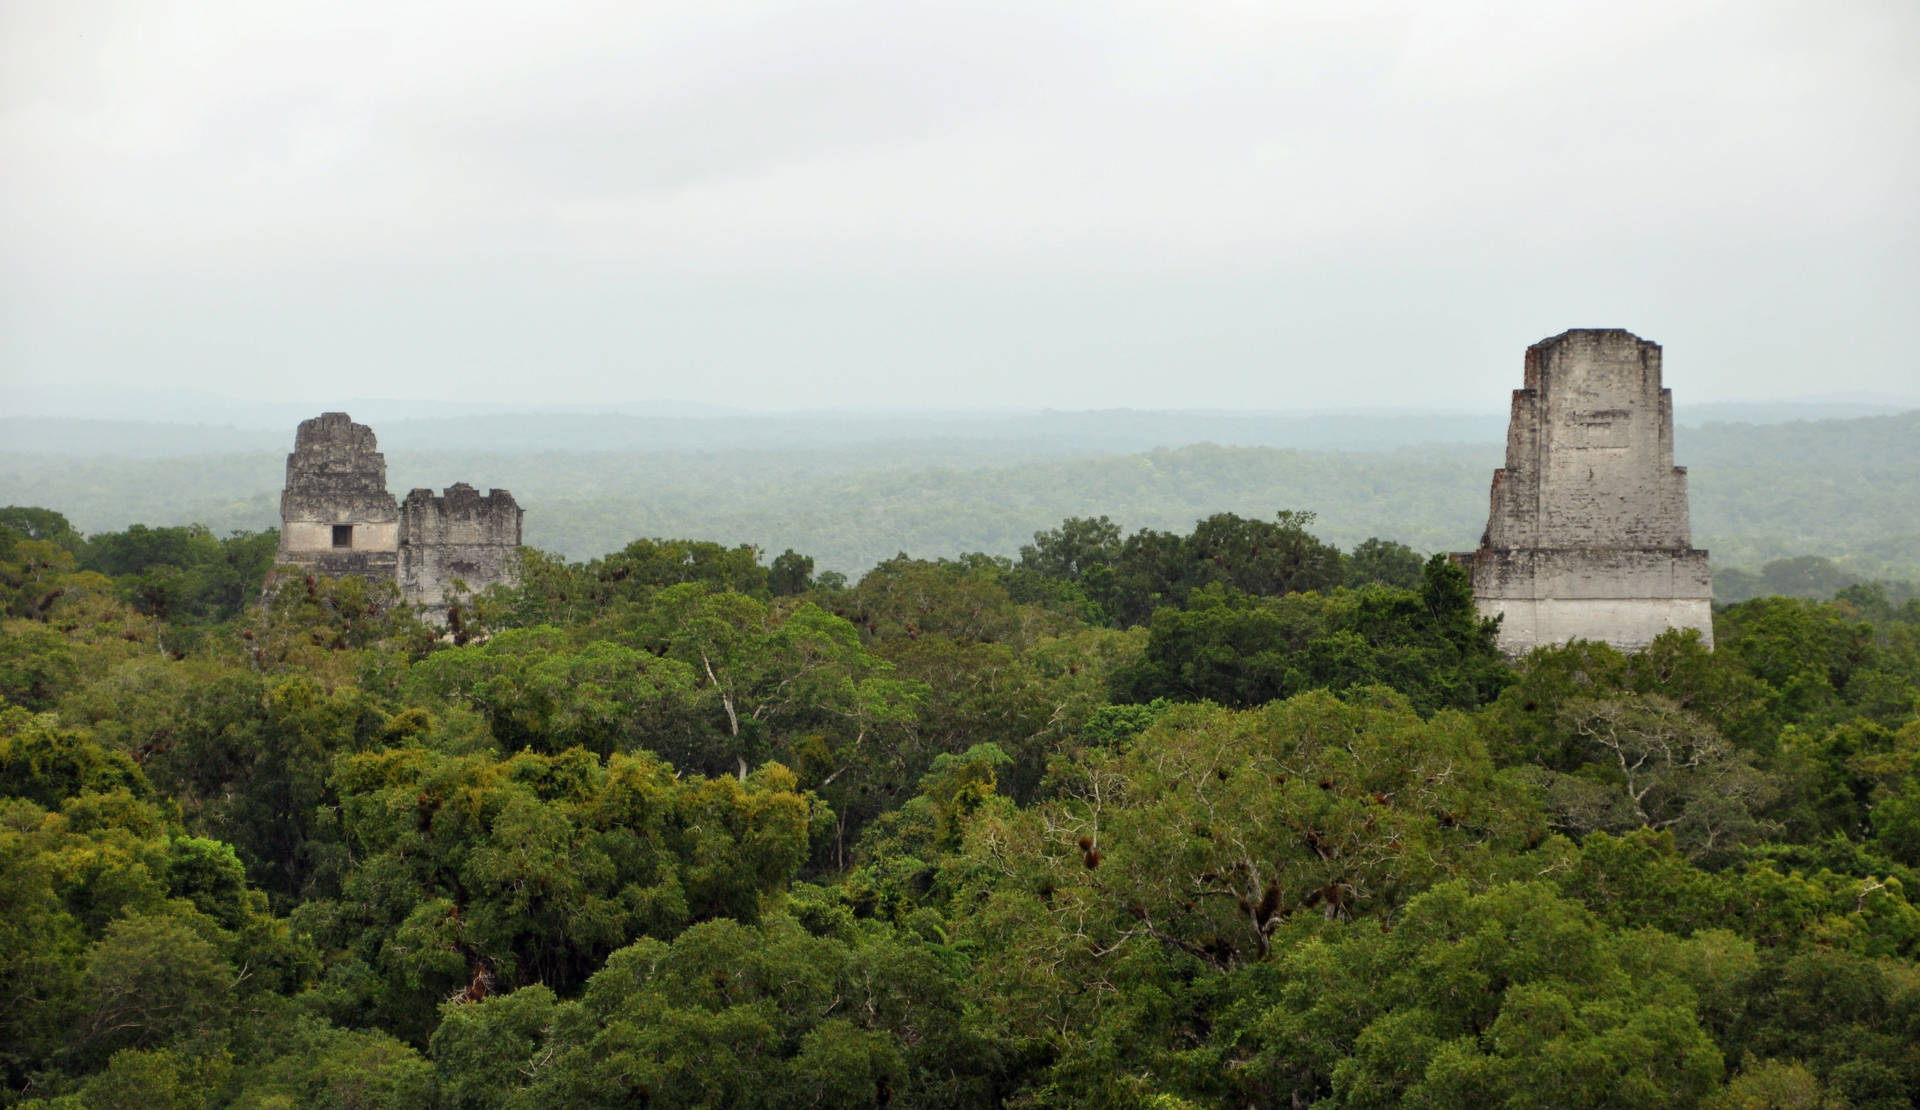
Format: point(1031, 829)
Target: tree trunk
point(733, 718)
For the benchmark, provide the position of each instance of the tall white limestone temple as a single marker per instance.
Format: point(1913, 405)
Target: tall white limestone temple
point(1587, 535)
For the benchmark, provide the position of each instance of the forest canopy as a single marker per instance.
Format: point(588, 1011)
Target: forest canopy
point(1219, 816)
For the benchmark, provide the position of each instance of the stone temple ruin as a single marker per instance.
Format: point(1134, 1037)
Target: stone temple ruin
point(1587, 536)
point(337, 518)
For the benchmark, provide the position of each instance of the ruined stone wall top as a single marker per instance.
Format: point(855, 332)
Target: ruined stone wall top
point(460, 516)
point(337, 474)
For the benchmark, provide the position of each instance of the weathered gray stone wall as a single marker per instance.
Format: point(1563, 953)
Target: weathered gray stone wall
point(458, 536)
point(336, 516)
point(1587, 531)
point(1629, 625)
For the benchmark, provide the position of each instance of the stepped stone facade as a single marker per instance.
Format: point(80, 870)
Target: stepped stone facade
point(1587, 533)
point(337, 518)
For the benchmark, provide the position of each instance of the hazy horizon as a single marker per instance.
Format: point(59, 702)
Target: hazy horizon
point(188, 407)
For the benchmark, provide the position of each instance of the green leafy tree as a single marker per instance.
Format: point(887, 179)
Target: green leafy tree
point(47, 764)
point(646, 565)
point(1510, 997)
point(128, 951)
point(24, 522)
point(1378, 562)
point(320, 627)
point(307, 1062)
point(731, 1015)
point(148, 981)
point(1241, 650)
point(1850, 1020)
point(1651, 764)
point(473, 874)
point(790, 573)
point(1261, 558)
point(37, 664)
point(1267, 559)
point(1074, 549)
point(962, 600)
point(1107, 918)
point(1807, 651)
point(537, 690)
point(249, 766)
point(794, 685)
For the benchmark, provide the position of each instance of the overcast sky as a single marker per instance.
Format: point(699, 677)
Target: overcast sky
point(796, 205)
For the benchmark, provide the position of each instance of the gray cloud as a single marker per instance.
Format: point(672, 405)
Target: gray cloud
point(1167, 204)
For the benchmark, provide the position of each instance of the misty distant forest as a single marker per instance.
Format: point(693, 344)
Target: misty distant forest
point(853, 490)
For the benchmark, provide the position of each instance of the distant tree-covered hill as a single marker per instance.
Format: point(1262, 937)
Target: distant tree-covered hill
point(1840, 488)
